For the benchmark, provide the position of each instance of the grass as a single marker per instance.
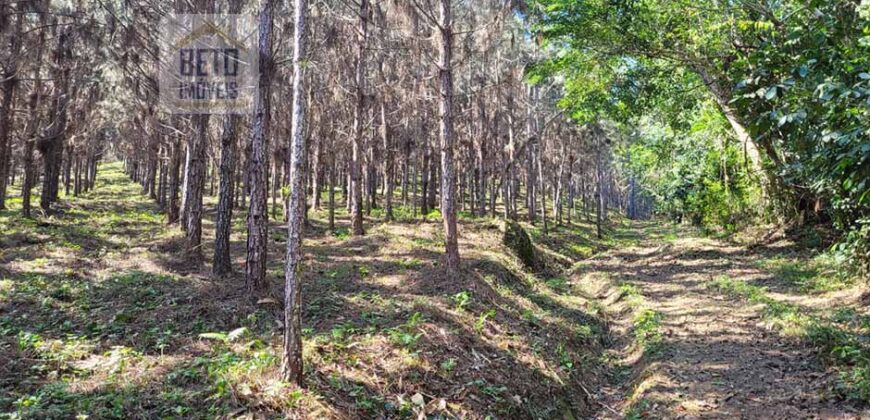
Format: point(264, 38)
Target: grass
point(647, 330)
point(841, 337)
point(817, 275)
point(102, 316)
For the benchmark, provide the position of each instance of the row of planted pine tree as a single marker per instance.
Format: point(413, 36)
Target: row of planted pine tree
point(401, 106)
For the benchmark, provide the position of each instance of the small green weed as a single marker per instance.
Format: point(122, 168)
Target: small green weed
point(481, 320)
point(407, 334)
point(462, 299)
point(647, 329)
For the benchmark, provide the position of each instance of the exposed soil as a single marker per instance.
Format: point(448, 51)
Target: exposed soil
point(718, 357)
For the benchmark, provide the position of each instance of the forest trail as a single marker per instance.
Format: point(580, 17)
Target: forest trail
point(101, 289)
point(711, 354)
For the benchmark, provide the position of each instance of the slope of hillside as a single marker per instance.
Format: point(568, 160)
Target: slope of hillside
point(101, 315)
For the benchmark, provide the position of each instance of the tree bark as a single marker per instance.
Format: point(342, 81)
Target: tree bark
point(722, 95)
point(196, 185)
point(356, 158)
point(174, 168)
point(258, 223)
point(388, 163)
point(51, 146)
point(30, 140)
point(222, 263)
point(448, 187)
point(10, 83)
point(291, 364)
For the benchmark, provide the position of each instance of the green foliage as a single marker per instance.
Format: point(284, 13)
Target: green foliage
point(647, 329)
point(407, 334)
point(481, 320)
point(559, 284)
point(805, 90)
point(792, 74)
point(823, 273)
point(697, 176)
point(341, 233)
point(226, 338)
point(854, 249)
point(462, 299)
point(433, 214)
point(448, 365)
point(566, 362)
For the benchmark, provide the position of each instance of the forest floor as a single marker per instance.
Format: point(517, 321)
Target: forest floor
point(720, 329)
point(102, 315)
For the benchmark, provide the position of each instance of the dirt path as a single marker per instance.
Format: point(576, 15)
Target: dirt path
point(717, 358)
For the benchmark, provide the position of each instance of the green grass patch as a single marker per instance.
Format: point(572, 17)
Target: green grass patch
point(647, 325)
point(820, 274)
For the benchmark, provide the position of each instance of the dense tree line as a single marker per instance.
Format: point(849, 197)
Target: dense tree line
point(408, 110)
point(713, 113)
point(739, 111)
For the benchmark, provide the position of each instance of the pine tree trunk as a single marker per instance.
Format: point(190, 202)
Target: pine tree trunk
point(196, 185)
point(51, 146)
point(77, 174)
point(185, 186)
point(543, 188)
point(356, 158)
point(332, 170)
point(10, 83)
point(448, 187)
point(174, 168)
point(599, 190)
point(258, 165)
point(316, 169)
point(291, 363)
point(424, 181)
point(388, 163)
point(276, 182)
point(222, 263)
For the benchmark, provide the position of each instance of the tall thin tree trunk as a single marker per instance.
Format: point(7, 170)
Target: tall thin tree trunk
point(184, 187)
point(291, 363)
point(316, 169)
point(10, 82)
point(196, 185)
point(174, 168)
point(599, 189)
point(222, 263)
point(388, 163)
point(332, 170)
point(51, 147)
point(258, 223)
point(276, 185)
point(424, 180)
point(448, 187)
point(356, 215)
point(33, 127)
point(67, 168)
point(542, 186)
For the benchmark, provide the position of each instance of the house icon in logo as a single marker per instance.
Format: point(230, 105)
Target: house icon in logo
point(208, 63)
point(207, 28)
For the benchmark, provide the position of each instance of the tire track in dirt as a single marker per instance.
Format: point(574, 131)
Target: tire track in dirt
point(717, 358)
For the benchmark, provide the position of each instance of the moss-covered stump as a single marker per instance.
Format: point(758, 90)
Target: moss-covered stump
point(517, 239)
